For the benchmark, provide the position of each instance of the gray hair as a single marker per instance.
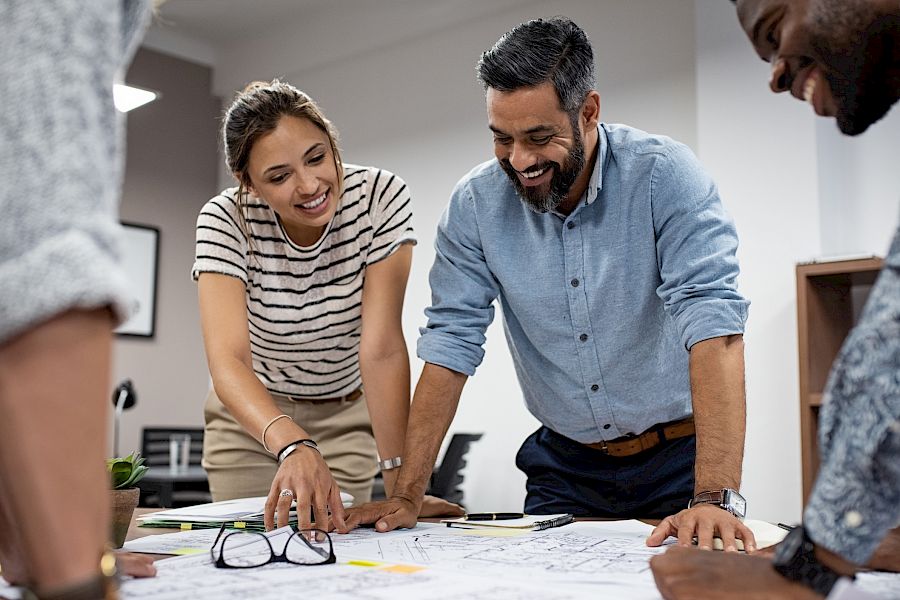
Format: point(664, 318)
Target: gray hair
point(539, 51)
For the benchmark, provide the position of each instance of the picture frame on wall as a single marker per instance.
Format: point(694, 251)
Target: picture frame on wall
point(140, 260)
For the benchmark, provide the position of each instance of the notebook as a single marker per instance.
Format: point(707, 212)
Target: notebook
point(246, 512)
point(528, 522)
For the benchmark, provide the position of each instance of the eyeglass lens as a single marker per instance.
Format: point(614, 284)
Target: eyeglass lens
point(250, 549)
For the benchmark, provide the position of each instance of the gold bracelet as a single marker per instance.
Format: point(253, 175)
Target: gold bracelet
point(266, 428)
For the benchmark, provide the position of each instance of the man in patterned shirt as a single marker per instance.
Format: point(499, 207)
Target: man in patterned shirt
point(843, 57)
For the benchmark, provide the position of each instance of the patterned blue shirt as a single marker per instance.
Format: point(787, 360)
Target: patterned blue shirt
point(601, 306)
point(856, 498)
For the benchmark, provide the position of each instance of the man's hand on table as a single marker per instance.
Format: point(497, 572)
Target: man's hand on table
point(396, 512)
point(704, 521)
point(691, 574)
point(887, 555)
point(438, 507)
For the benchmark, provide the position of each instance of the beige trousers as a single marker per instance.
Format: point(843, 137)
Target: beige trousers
point(239, 467)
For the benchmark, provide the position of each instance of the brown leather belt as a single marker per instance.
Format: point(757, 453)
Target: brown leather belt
point(354, 395)
point(635, 444)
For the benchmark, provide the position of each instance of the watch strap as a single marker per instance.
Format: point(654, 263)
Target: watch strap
point(802, 566)
point(726, 498)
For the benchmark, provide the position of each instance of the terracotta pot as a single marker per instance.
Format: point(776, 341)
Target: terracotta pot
point(123, 504)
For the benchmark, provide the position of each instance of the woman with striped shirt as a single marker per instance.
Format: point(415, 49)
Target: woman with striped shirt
point(301, 274)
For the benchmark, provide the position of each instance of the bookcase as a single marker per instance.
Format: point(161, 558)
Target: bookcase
point(830, 297)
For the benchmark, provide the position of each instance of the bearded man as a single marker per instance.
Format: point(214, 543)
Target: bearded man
point(843, 58)
point(614, 264)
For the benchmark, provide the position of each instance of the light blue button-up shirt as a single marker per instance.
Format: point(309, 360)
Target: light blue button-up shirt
point(601, 306)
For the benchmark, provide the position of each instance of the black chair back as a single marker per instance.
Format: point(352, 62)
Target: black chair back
point(155, 444)
point(447, 478)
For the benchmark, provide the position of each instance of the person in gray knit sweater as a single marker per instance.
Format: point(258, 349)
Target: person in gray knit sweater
point(62, 288)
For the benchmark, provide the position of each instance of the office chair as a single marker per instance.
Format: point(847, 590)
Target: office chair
point(448, 477)
point(155, 448)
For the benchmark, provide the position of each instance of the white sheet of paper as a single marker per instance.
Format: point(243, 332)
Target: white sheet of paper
point(181, 542)
point(240, 509)
point(195, 577)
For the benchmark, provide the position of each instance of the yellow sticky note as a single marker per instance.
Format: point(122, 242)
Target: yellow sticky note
point(363, 563)
point(405, 569)
point(185, 526)
point(187, 551)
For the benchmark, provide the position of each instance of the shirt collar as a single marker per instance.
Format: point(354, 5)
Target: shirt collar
point(595, 183)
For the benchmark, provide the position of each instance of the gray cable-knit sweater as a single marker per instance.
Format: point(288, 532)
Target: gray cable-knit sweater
point(61, 156)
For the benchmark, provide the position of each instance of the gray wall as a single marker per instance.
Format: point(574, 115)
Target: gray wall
point(171, 170)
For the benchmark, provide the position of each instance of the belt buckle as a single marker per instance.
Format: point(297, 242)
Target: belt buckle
point(603, 447)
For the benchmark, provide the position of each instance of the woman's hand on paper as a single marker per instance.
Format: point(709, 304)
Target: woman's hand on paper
point(704, 522)
point(307, 476)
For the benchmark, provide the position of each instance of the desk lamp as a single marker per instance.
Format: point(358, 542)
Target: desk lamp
point(123, 397)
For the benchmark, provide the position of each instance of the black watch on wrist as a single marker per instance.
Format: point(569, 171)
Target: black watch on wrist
point(795, 559)
point(726, 499)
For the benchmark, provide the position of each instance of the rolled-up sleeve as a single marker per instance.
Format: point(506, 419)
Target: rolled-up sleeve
point(462, 291)
point(696, 250)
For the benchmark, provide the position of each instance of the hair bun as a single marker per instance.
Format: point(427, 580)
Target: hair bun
point(255, 85)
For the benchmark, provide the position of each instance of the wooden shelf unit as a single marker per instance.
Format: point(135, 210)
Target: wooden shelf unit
point(830, 297)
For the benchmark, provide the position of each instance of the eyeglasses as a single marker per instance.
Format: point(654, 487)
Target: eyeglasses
point(248, 549)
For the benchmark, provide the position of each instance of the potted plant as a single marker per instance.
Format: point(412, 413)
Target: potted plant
point(124, 473)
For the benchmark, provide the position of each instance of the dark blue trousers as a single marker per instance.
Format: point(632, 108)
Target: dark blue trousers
point(565, 476)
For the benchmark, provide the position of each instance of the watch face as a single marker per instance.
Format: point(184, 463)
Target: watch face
point(736, 502)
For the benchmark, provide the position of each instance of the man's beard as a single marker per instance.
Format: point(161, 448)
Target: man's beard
point(564, 177)
point(852, 43)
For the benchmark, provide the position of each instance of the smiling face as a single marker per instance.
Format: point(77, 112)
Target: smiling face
point(538, 146)
point(292, 169)
point(830, 53)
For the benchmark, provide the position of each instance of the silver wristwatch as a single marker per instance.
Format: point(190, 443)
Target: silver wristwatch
point(726, 498)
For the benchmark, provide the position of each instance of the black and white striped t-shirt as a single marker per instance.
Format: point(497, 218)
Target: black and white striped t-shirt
point(304, 304)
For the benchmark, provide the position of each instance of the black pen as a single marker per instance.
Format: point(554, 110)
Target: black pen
point(493, 516)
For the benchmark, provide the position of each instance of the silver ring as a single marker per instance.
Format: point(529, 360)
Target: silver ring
point(286, 492)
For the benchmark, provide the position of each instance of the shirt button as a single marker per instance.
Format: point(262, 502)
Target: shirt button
point(606, 426)
point(595, 387)
point(571, 224)
point(583, 337)
point(853, 519)
point(575, 282)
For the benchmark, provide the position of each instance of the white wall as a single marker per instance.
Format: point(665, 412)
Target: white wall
point(859, 182)
point(761, 149)
point(170, 173)
point(413, 106)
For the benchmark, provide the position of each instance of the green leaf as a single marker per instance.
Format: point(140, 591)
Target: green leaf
point(126, 472)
